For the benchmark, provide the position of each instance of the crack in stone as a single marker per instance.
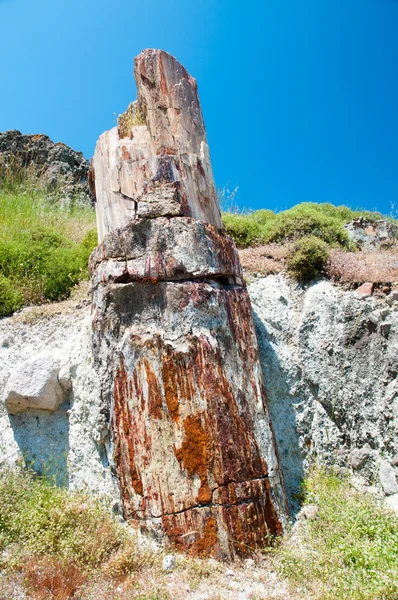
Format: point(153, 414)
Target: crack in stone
point(210, 504)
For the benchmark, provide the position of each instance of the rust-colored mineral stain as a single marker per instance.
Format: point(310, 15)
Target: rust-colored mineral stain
point(174, 382)
point(183, 532)
point(125, 153)
point(194, 454)
point(124, 454)
point(154, 393)
point(209, 539)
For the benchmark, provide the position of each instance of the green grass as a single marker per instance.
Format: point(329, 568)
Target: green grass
point(38, 519)
point(58, 540)
point(349, 551)
point(324, 221)
point(44, 245)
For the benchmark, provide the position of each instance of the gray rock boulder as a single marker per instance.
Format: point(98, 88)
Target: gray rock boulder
point(369, 234)
point(36, 383)
point(388, 479)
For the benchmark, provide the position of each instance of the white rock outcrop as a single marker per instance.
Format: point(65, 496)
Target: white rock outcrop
point(35, 383)
point(68, 444)
point(330, 365)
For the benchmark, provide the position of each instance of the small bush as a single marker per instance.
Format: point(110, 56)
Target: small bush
point(132, 117)
point(244, 229)
point(47, 521)
point(11, 298)
point(308, 258)
point(305, 220)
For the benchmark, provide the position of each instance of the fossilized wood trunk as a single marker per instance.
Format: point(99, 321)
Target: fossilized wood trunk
point(174, 340)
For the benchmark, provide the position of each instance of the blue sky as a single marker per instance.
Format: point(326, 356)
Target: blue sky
point(300, 97)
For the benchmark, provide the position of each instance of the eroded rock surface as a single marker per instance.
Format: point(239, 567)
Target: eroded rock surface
point(330, 368)
point(173, 334)
point(369, 234)
point(158, 163)
point(58, 164)
point(38, 383)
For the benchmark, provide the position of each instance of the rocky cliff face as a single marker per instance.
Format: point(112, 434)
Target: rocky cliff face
point(57, 164)
point(174, 339)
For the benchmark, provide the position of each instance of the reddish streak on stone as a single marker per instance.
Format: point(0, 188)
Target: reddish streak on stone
point(154, 394)
point(125, 153)
point(124, 444)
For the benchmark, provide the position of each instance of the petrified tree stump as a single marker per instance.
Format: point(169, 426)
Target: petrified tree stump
point(174, 340)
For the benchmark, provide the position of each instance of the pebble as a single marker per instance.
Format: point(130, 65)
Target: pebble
point(169, 563)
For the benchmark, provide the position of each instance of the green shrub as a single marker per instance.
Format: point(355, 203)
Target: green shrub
point(11, 298)
point(304, 220)
point(324, 221)
point(349, 551)
point(308, 258)
point(243, 229)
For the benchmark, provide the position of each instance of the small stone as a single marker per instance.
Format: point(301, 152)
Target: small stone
point(385, 329)
point(229, 573)
point(359, 456)
point(169, 563)
point(8, 341)
point(309, 512)
point(364, 291)
point(388, 479)
point(392, 298)
point(391, 502)
point(34, 384)
point(250, 564)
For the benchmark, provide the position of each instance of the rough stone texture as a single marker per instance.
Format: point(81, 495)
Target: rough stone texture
point(162, 168)
point(173, 334)
point(166, 250)
point(35, 384)
point(57, 163)
point(364, 291)
point(330, 373)
point(388, 479)
point(368, 234)
point(70, 443)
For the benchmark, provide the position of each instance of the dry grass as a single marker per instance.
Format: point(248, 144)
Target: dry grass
point(48, 579)
point(266, 259)
point(377, 266)
point(358, 267)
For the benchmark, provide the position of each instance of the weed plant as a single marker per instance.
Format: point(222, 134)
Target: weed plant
point(308, 258)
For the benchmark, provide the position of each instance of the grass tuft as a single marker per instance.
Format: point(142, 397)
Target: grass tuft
point(349, 551)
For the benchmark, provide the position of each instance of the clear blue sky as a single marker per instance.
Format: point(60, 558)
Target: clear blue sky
point(300, 97)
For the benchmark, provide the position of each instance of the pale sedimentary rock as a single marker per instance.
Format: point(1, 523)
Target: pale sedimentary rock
point(174, 340)
point(41, 382)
